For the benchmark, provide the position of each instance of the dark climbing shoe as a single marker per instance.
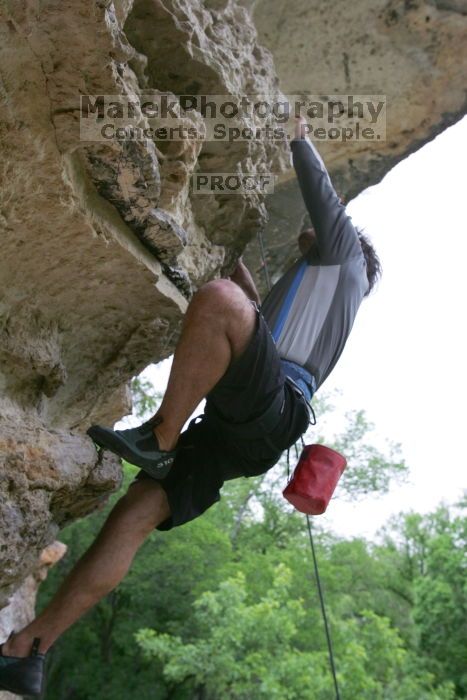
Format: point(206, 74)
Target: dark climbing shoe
point(23, 676)
point(138, 446)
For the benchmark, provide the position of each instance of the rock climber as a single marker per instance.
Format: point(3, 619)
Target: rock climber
point(257, 369)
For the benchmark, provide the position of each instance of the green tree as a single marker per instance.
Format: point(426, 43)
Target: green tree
point(145, 398)
point(242, 650)
point(429, 562)
point(229, 601)
point(370, 469)
point(245, 650)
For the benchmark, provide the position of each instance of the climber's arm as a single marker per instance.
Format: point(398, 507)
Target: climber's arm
point(242, 276)
point(337, 239)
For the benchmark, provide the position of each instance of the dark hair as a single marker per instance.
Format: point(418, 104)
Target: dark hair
point(373, 265)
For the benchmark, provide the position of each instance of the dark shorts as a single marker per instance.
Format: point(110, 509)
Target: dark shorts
point(210, 454)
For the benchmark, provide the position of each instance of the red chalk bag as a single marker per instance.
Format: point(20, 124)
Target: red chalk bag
point(314, 479)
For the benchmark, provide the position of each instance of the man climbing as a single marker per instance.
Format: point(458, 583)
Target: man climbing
point(257, 371)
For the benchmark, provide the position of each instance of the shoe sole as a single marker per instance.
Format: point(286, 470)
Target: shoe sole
point(4, 687)
point(109, 440)
point(24, 693)
point(14, 685)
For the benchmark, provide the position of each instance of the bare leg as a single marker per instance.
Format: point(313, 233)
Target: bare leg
point(217, 327)
point(100, 569)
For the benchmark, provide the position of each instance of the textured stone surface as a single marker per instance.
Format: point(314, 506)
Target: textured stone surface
point(48, 477)
point(103, 244)
point(20, 608)
point(21, 605)
point(413, 51)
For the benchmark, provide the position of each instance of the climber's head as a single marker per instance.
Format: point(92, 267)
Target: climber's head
point(307, 241)
point(373, 264)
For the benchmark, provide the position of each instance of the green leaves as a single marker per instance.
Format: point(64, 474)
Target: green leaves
point(199, 616)
point(369, 469)
point(226, 608)
point(145, 397)
point(243, 649)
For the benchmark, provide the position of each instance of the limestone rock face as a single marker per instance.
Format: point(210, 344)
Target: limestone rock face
point(412, 51)
point(103, 244)
point(47, 478)
point(21, 605)
point(20, 608)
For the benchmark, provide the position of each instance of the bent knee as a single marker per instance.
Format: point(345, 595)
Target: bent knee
point(223, 303)
point(223, 292)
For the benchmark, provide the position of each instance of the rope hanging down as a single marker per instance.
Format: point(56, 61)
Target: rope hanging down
point(308, 520)
point(323, 610)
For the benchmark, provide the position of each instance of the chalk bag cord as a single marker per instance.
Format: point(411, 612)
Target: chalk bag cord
point(308, 520)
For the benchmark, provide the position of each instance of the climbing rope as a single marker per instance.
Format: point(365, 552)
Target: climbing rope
point(308, 519)
point(263, 258)
point(323, 610)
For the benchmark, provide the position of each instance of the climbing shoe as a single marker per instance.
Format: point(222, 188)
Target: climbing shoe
point(138, 446)
point(23, 675)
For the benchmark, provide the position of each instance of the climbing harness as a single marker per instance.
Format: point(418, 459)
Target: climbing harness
point(301, 491)
point(262, 425)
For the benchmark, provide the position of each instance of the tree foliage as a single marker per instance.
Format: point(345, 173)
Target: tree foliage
point(225, 607)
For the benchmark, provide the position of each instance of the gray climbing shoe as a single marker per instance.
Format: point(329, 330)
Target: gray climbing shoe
point(138, 446)
point(23, 675)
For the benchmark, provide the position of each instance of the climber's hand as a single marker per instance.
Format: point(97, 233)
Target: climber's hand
point(300, 127)
point(242, 276)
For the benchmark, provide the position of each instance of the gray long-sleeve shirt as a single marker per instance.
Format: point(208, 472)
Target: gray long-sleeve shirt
point(311, 309)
